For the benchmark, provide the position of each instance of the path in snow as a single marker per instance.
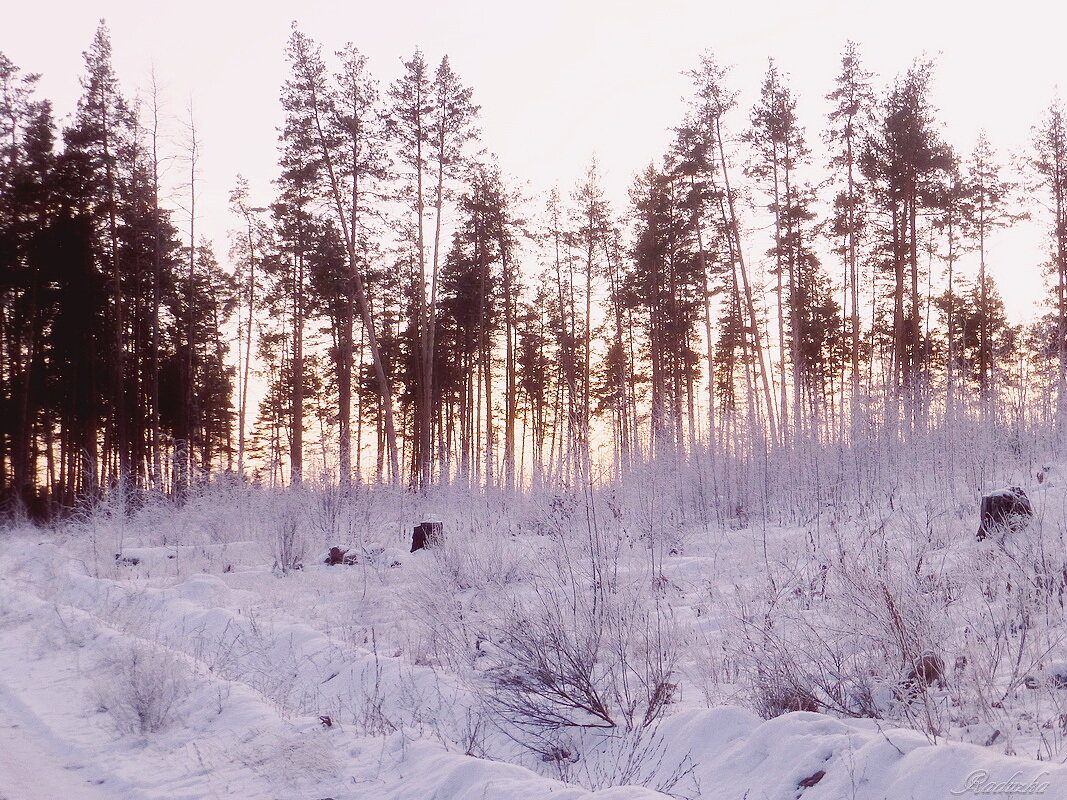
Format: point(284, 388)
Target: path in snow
point(32, 767)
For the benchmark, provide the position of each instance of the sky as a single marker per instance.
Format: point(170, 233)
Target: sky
point(557, 81)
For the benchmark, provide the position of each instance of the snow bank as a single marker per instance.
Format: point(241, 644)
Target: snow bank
point(250, 725)
point(736, 755)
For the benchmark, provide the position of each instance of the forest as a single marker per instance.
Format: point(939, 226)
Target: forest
point(424, 482)
point(401, 311)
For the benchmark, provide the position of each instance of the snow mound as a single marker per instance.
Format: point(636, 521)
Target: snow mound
point(263, 714)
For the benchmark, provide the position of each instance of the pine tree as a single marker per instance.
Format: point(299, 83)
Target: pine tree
point(303, 161)
point(1049, 162)
point(478, 273)
point(987, 199)
point(780, 152)
point(26, 229)
point(535, 376)
point(363, 164)
point(694, 158)
point(432, 120)
point(850, 123)
point(906, 164)
point(342, 143)
point(155, 274)
point(665, 283)
point(563, 323)
point(203, 298)
point(101, 130)
point(246, 252)
point(592, 231)
point(154, 339)
point(711, 102)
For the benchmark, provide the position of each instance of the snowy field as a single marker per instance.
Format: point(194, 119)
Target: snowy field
point(617, 645)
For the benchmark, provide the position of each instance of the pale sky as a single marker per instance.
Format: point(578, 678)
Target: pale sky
point(557, 81)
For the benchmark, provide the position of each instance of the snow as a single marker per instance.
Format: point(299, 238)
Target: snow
point(327, 682)
point(744, 757)
point(34, 765)
point(233, 741)
point(1007, 491)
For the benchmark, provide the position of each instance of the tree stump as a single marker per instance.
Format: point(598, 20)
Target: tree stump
point(427, 534)
point(336, 556)
point(1006, 510)
point(927, 670)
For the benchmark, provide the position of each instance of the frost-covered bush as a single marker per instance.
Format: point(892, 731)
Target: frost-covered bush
point(286, 520)
point(854, 649)
point(563, 658)
point(140, 686)
point(916, 623)
point(482, 562)
point(467, 577)
point(550, 631)
point(584, 642)
point(1009, 635)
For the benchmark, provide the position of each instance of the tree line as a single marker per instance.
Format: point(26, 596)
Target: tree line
point(405, 313)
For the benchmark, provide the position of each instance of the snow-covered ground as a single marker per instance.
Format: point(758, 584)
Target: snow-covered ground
point(191, 666)
point(34, 763)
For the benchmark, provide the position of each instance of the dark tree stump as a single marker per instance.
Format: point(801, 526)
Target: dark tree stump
point(338, 556)
point(427, 534)
point(929, 669)
point(1006, 510)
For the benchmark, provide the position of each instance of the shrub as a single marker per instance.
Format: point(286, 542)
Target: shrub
point(852, 653)
point(141, 687)
point(589, 659)
point(288, 543)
